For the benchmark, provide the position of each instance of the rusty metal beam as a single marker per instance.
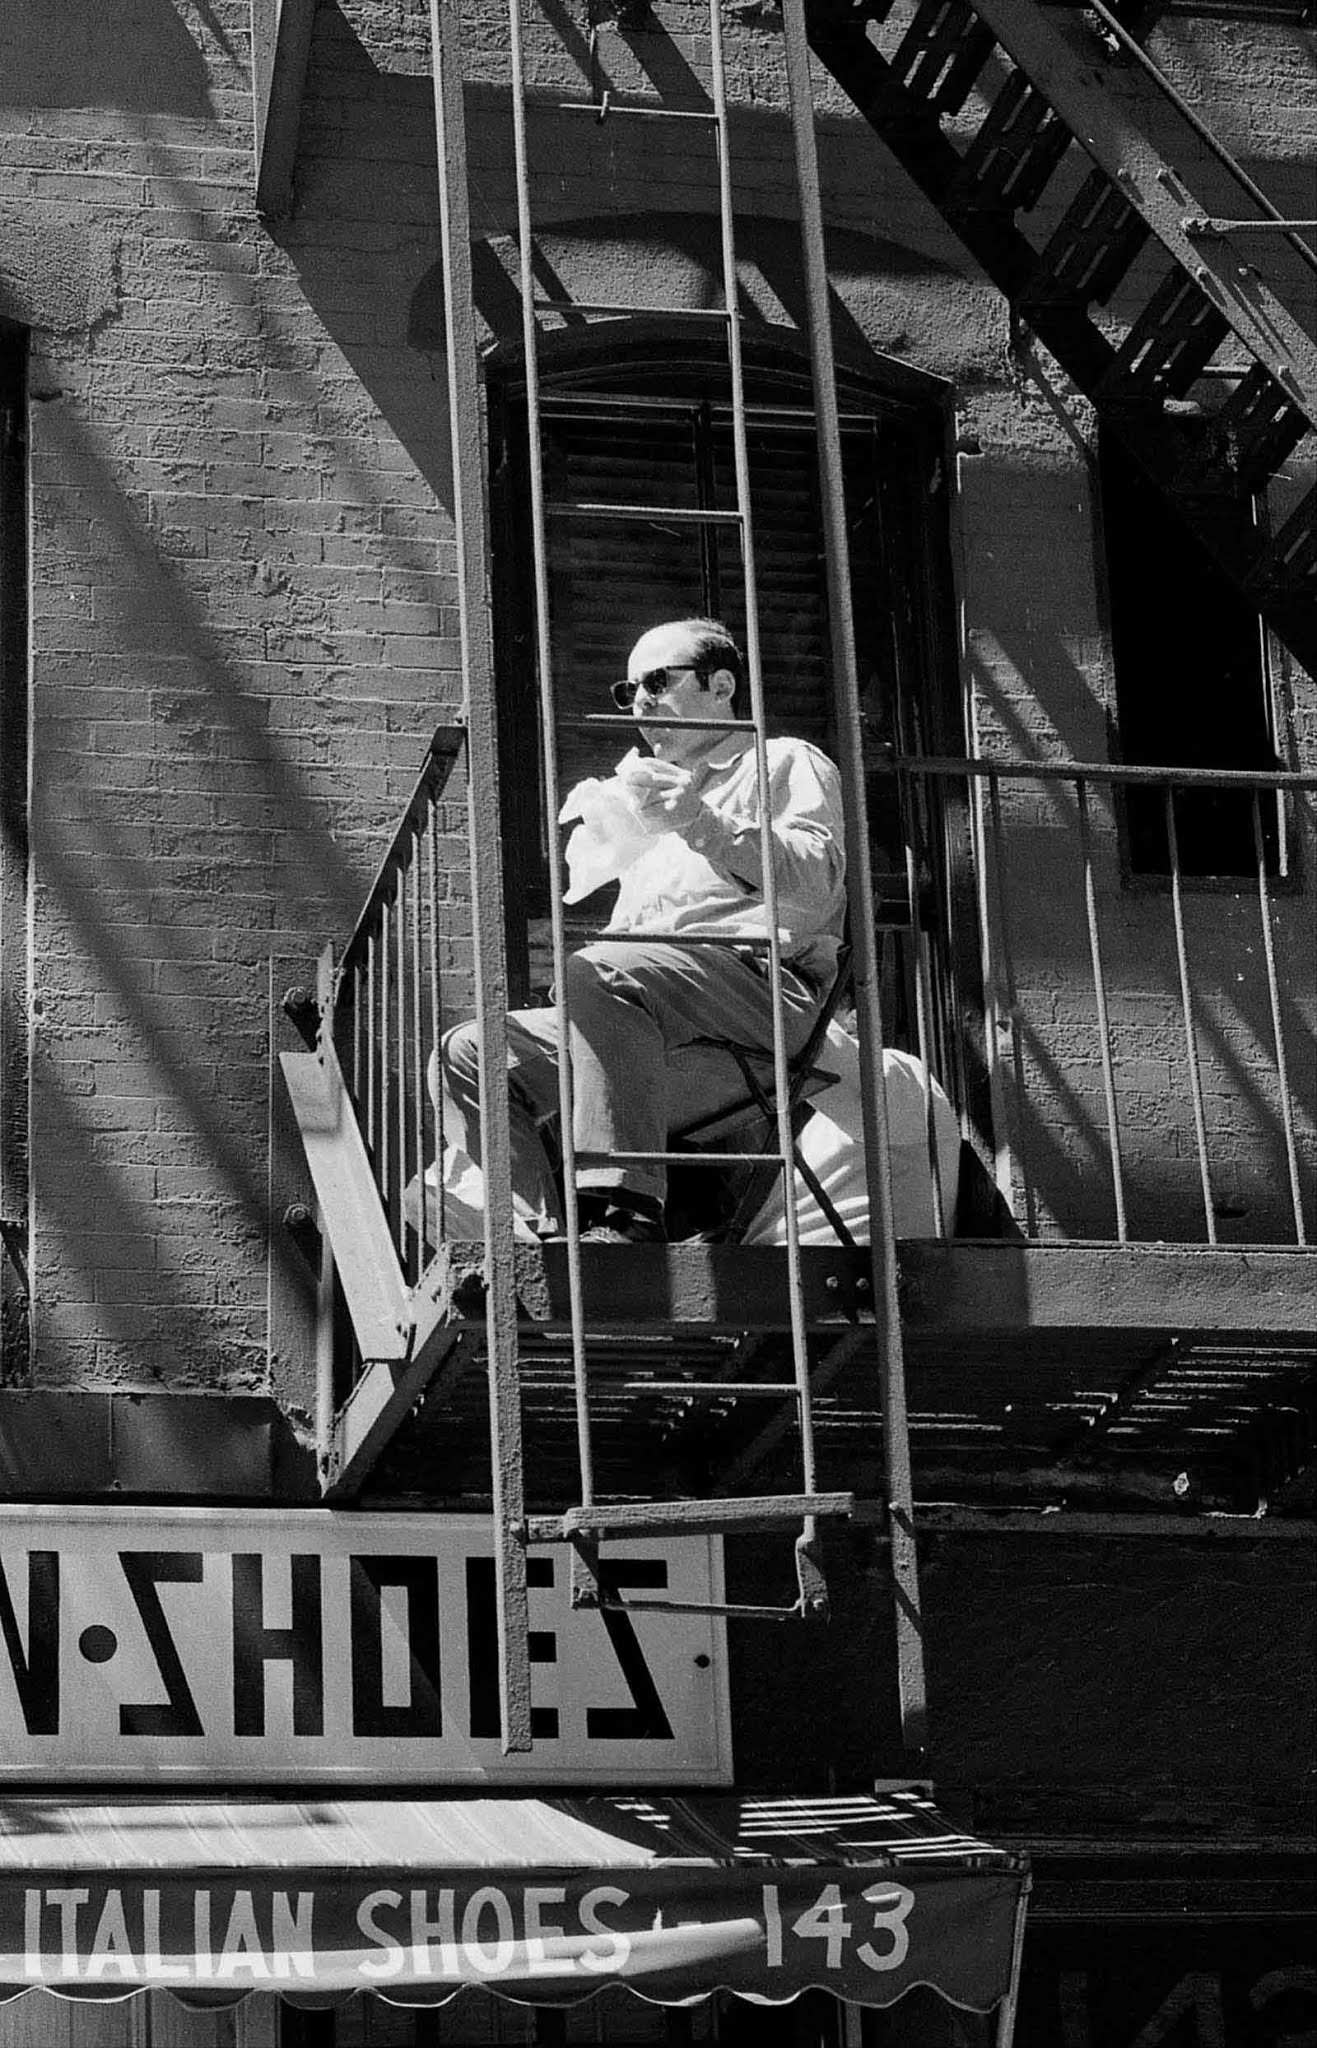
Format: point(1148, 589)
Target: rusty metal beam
point(737, 1288)
point(1093, 1525)
point(965, 1289)
point(381, 1398)
point(688, 1517)
point(983, 1289)
point(80, 1444)
point(479, 702)
point(350, 1204)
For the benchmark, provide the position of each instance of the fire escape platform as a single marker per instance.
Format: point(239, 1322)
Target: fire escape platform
point(953, 1291)
point(1150, 1376)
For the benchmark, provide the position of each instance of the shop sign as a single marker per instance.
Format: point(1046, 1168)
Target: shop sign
point(540, 1937)
point(262, 1645)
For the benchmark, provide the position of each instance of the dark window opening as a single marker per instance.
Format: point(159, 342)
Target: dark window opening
point(1192, 685)
point(658, 433)
point(13, 852)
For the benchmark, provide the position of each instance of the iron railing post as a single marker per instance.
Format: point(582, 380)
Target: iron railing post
point(483, 827)
point(859, 882)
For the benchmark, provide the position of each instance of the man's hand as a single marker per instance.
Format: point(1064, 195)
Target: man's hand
point(662, 796)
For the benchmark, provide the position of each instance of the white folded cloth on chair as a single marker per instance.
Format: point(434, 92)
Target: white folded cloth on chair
point(832, 1143)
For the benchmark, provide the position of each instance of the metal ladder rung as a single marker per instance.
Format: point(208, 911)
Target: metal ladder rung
point(759, 1390)
point(749, 942)
point(608, 110)
point(563, 306)
point(591, 721)
point(690, 1517)
point(678, 1159)
point(690, 515)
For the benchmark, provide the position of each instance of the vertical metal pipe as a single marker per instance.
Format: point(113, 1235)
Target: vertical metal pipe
point(1007, 2010)
point(372, 1109)
point(401, 1061)
point(549, 755)
point(1187, 1013)
point(487, 915)
point(868, 999)
point(326, 1375)
point(436, 1022)
point(384, 1160)
point(355, 1047)
point(923, 1007)
point(997, 864)
point(1100, 992)
point(1277, 1024)
point(1003, 1156)
point(416, 1078)
point(758, 713)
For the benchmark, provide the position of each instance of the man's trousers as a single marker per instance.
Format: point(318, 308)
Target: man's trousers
point(637, 1013)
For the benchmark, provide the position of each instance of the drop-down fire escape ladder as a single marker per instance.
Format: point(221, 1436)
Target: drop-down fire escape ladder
point(997, 109)
point(594, 1520)
point(362, 1093)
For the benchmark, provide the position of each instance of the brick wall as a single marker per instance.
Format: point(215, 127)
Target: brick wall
point(242, 629)
point(243, 598)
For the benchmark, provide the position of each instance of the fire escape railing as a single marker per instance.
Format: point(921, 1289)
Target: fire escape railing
point(389, 1001)
point(1218, 970)
point(1200, 955)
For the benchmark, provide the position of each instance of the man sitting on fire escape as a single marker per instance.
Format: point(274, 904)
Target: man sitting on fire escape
point(692, 804)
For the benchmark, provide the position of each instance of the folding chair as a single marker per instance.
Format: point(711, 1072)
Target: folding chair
point(752, 1185)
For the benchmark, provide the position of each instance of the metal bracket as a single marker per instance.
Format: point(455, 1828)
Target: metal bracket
point(303, 1013)
point(1196, 224)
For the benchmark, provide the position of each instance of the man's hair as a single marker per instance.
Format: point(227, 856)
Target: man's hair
point(715, 648)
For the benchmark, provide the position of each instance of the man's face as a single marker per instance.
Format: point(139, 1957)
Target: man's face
point(689, 696)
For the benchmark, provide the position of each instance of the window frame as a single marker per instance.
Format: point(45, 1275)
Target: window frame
point(778, 377)
point(1283, 873)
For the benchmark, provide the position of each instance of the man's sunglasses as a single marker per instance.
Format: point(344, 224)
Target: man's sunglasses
point(656, 684)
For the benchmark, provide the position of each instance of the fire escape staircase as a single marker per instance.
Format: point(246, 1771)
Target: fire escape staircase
point(1017, 126)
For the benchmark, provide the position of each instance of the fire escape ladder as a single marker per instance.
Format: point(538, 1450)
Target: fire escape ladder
point(1111, 252)
point(595, 1519)
point(424, 1307)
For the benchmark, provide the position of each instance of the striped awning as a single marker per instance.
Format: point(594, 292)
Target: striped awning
point(539, 1900)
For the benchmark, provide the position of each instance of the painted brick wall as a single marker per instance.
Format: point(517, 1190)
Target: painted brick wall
point(243, 599)
point(242, 629)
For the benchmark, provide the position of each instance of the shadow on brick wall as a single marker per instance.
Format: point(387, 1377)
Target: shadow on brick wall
point(364, 232)
point(135, 54)
point(177, 844)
